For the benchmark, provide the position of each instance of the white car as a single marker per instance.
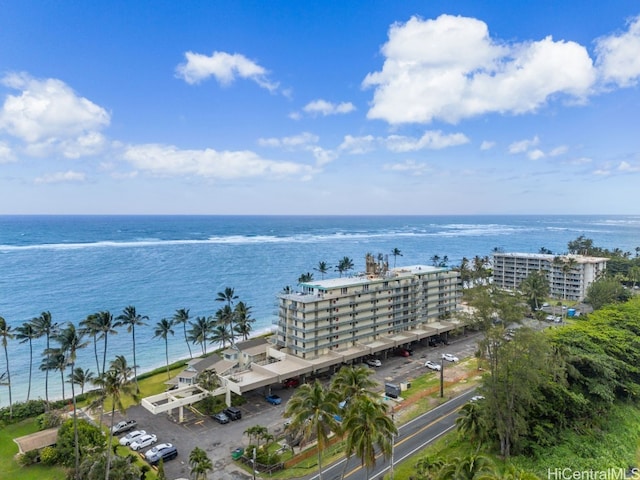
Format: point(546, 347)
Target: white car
point(449, 358)
point(432, 365)
point(373, 362)
point(143, 442)
point(131, 437)
point(477, 398)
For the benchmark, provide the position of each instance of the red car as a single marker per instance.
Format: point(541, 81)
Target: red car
point(401, 352)
point(291, 383)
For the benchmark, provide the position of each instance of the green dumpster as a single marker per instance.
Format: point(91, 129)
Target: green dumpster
point(237, 453)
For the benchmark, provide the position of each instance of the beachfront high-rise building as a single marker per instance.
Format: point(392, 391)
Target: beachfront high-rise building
point(569, 276)
point(337, 314)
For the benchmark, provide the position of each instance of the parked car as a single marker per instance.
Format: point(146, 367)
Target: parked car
point(143, 442)
point(403, 352)
point(131, 437)
point(291, 383)
point(233, 413)
point(432, 365)
point(123, 426)
point(449, 358)
point(373, 362)
point(220, 418)
point(162, 451)
point(273, 399)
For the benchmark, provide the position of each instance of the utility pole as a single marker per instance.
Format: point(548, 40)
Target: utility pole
point(441, 377)
point(253, 464)
point(393, 444)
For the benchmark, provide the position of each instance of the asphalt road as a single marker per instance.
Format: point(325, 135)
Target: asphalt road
point(220, 440)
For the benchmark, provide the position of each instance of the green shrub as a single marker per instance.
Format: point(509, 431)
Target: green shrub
point(29, 458)
point(49, 455)
point(49, 420)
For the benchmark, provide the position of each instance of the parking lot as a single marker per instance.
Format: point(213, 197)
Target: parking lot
point(220, 440)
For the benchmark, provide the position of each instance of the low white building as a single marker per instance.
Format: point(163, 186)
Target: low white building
point(569, 276)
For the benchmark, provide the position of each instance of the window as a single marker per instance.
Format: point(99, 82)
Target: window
point(344, 290)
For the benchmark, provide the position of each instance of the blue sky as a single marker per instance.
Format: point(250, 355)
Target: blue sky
point(359, 107)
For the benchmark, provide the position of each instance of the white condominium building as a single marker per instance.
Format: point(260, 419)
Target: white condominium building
point(338, 314)
point(569, 276)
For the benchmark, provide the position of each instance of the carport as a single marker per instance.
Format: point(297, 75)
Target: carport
point(37, 441)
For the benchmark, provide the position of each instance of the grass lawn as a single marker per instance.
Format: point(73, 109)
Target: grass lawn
point(10, 469)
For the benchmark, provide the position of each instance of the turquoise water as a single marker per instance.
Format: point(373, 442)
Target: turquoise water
point(74, 266)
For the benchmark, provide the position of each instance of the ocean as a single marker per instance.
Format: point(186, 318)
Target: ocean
point(74, 266)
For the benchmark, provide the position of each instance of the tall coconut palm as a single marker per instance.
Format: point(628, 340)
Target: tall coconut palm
point(352, 383)
point(181, 317)
point(26, 333)
point(469, 423)
point(5, 334)
point(221, 334)
point(535, 288)
point(81, 377)
point(163, 329)
point(242, 320)
point(90, 326)
point(200, 464)
point(344, 265)
point(305, 277)
point(45, 327)
point(368, 427)
point(70, 341)
point(228, 296)
point(322, 268)
point(114, 384)
point(106, 326)
point(396, 253)
point(131, 319)
point(312, 410)
point(224, 318)
point(54, 360)
point(199, 332)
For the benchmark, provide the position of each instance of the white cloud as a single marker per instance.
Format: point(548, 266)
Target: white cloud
point(322, 107)
point(49, 116)
point(432, 139)
point(61, 177)
point(295, 115)
point(580, 161)
point(561, 150)
point(449, 69)
point(358, 145)
point(487, 145)
point(6, 155)
point(536, 154)
point(301, 140)
point(628, 168)
point(618, 56)
point(224, 67)
point(209, 163)
point(408, 166)
point(523, 145)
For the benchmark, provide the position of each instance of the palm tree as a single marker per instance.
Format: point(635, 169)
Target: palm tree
point(535, 288)
point(26, 333)
point(91, 327)
point(368, 426)
point(199, 332)
point(44, 326)
point(81, 377)
point(242, 319)
point(221, 334)
point(322, 268)
point(54, 360)
point(228, 295)
point(469, 423)
point(131, 319)
point(470, 467)
point(200, 464)
point(567, 266)
point(351, 383)
point(208, 379)
point(305, 277)
point(182, 317)
point(5, 333)
point(106, 326)
point(396, 253)
point(465, 271)
point(114, 384)
point(70, 341)
point(435, 260)
point(344, 265)
point(312, 410)
point(163, 329)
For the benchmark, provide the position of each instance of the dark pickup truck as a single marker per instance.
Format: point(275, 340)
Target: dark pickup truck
point(123, 426)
